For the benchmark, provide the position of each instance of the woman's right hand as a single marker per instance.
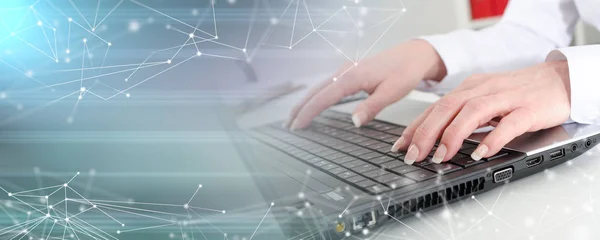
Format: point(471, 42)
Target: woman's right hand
point(387, 77)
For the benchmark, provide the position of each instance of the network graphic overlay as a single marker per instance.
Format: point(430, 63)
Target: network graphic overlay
point(66, 50)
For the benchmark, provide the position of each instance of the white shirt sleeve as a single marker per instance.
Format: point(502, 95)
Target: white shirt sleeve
point(584, 73)
point(529, 30)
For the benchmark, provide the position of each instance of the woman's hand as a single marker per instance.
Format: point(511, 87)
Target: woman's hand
point(387, 77)
point(528, 100)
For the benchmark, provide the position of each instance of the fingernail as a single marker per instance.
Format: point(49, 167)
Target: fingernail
point(478, 154)
point(411, 155)
point(439, 154)
point(294, 125)
point(359, 118)
point(398, 144)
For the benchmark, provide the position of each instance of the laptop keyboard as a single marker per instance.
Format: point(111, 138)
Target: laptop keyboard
point(361, 156)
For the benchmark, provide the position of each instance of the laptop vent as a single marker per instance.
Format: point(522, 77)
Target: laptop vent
point(436, 198)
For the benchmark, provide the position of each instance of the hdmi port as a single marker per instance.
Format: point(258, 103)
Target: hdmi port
point(534, 161)
point(557, 154)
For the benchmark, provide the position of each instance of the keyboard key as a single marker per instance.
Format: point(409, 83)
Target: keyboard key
point(344, 159)
point(464, 160)
point(381, 159)
point(364, 168)
point(356, 179)
point(360, 151)
point(393, 164)
point(375, 173)
point(443, 168)
point(346, 174)
point(467, 146)
point(378, 189)
point(421, 175)
point(395, 131)
point(423, 163)
point(337, 170)
point(405, 169)
point(467, 151)
point(388, 178)
point(353, 164)
point(399, 183)
point(328, 166)
point(370, 155)
point(334, 156)
point(365, 183)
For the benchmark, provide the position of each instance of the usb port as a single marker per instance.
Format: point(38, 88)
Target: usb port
point(557, 154)
point(534, 161)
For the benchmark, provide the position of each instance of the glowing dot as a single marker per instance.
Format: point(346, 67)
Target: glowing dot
point(134, 26)
point(127, 95)
point(95, 206)
point(195, 12)
point(199, 185)
point(122, 225)
point(82, 89)
point(70, 19)
point(109, 44)
point(169, 61)
point(244, 50)
point(223, 211)
point(50, 207)
point(365, 231)
point(347, 234)
point(118, 231)
point(274, 21)
point(334, 79)
point(168, 26)
point(65, 185)
point(48, 215)
point(126, 79)
point(191, 35)
point(46, 197)
point(3, 95)
point(314, 30)
point(68, 51)
point(10, 194)
point(85, 40)
point(272, 203)
point(490, 213)
point(186, 206)
point(66, 219)
point(300, 195)
point(80, 97)
point(93, 29)
point(231, 1)
point(385, 213)
point(216, 37)
point(198, 53)
point(39, 23)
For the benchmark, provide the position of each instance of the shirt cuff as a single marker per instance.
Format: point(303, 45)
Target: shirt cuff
point(584, 75)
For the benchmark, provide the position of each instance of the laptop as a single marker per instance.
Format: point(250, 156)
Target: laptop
point(352, 184)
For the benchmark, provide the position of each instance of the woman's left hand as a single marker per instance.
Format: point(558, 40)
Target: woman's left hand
point(527, 100)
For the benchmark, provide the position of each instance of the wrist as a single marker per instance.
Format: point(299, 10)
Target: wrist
point(434, 66)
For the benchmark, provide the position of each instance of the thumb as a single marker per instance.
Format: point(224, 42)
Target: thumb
point(380, 98)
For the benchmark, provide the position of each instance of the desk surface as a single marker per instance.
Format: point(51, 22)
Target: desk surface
point(560, 203)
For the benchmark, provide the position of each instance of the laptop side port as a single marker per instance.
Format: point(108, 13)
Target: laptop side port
point(503, 174)
point(534, 161)
point(557, 154)
point(365, 220)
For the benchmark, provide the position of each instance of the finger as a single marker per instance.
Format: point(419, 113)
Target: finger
point(311, 93)
point(384, 95)
point(513, 125)
point(476, 112)
point(329, 96)
point(402, 143)
point(430, 129)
